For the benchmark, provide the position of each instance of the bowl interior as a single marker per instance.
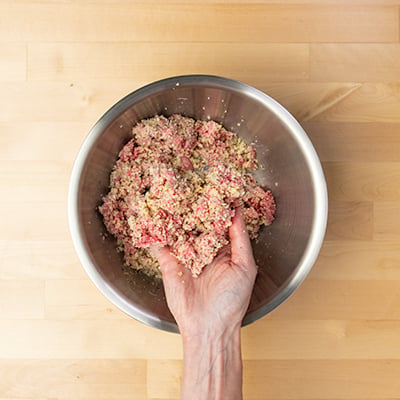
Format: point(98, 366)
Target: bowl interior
point(285, 167)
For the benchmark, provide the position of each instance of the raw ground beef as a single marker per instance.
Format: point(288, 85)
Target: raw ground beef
point(177, 183)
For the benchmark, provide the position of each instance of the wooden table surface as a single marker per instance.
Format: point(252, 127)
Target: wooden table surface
point(334, 64)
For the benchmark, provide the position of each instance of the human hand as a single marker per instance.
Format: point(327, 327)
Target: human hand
point(220, 296)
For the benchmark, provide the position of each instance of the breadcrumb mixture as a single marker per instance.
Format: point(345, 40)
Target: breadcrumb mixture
point(177, 183)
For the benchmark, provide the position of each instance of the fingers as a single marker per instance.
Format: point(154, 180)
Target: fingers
point(242, 252)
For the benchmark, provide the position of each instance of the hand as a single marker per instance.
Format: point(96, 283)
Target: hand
point(209, 311)
point(220, 296)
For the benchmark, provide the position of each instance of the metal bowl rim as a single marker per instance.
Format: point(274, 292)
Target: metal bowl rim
point(320, 193)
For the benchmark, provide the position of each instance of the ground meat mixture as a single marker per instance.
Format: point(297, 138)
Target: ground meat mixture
point(177, 183)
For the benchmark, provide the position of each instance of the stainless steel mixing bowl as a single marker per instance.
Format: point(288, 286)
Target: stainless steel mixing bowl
point(284, 252)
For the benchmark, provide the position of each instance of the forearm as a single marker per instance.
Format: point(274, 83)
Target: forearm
point(212, 365)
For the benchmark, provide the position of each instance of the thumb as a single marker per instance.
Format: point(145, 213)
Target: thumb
point(242, 252)
point(168, 263)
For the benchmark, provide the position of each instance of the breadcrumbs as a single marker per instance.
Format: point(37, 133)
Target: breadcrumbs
point(177, 182)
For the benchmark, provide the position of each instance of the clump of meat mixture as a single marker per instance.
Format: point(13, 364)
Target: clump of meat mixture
point(177, 182)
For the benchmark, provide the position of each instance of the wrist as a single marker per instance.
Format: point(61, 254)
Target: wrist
point(207, 333)
point(211, 324)
point(211, 338)
point(216, 355)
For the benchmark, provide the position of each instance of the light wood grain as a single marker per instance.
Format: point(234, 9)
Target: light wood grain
point(358, 260)
point(215, 23)
point(92, 339)
point(69, 61)
point(370, 102)
point(37, 220)
point(166, 375)
point(82, 379)
point(290, 2)
point(339, 299)
point(317, 299)
point(77, 299)
point(355, 62)
point(29, 177)
point(387, 220)
point(43, 141)
point(59, 101)
point(335, 65)
point(346, 102)
point(351, 220)
point(65, 101)
point(322, 339)
point(363, 181)
point(13, 62)
point(355, 142)
point(39, 259)
point(21, 299)
point(312, 379)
